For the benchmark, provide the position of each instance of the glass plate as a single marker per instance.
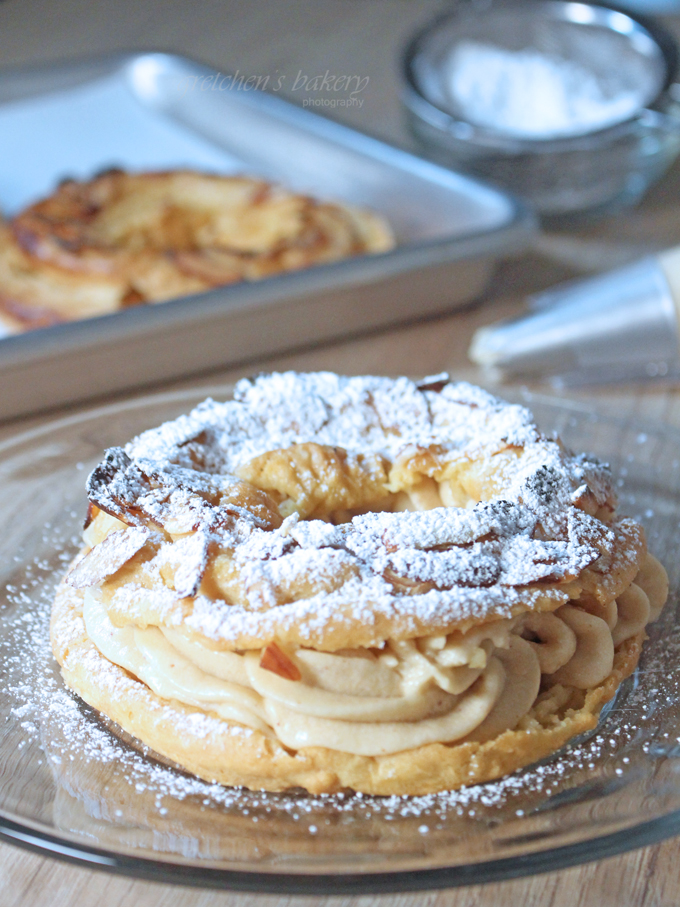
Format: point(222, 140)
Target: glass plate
point(72, 787)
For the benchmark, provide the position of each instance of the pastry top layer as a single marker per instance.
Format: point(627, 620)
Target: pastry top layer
point(231, 510)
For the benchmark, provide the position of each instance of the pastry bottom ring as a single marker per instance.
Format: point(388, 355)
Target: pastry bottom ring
point(229, 754)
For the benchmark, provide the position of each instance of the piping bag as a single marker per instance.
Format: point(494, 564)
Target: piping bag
point(623, 325)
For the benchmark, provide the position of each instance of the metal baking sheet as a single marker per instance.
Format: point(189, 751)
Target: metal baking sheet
point(154, 110)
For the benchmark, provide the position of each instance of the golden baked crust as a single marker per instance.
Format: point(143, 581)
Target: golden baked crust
point(236, 756)
point(34, 294)
point(123, 239)
point(353, 582)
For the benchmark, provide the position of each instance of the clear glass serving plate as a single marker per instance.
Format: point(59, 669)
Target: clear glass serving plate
point(73, 787)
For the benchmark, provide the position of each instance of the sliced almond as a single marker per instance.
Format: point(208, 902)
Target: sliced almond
point(274, 660)
point(108, 556)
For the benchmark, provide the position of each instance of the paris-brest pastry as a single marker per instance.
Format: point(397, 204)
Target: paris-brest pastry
point(364, 583)
point(121, 239)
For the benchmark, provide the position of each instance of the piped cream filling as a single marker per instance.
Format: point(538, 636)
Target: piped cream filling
point(341, 698)
point(438, 689)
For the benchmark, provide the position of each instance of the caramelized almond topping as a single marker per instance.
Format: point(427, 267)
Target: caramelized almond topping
point(436, 386)
point(404, 584)
point(92, 511)
point(274, 660)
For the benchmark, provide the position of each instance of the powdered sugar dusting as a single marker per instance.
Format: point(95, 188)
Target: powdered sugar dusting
point(410, 568)
point(367, 414)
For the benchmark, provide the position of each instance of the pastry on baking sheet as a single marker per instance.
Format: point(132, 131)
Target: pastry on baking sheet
point(123, 239)
point(362, 583)
point(34, 295)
